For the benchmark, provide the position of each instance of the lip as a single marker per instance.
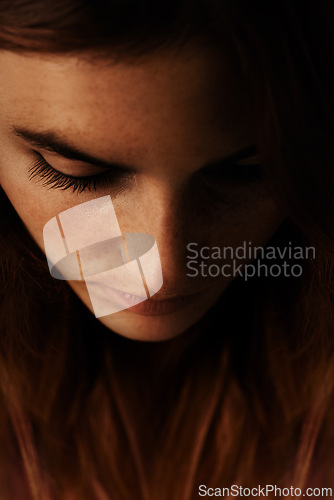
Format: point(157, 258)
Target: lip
point(157, 307)
point(153, 306)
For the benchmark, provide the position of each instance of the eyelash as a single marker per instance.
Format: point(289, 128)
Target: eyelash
point(54, 179)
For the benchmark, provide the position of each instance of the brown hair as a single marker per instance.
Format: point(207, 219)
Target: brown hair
point(89, 412)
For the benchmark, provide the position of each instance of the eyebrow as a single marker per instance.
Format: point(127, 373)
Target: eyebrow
point(50, 141)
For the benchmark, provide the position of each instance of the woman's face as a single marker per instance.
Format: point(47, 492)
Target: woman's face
point(173, 119)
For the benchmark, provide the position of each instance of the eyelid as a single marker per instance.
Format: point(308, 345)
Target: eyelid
point(233, 173)
point(68, 164)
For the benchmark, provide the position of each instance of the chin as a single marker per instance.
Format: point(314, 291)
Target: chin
point(157, 319)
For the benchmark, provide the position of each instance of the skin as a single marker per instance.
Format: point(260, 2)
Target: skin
point(167, 116)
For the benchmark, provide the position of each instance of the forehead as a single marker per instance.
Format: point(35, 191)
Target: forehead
point(191, 95)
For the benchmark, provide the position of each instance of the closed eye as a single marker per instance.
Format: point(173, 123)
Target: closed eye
point(54, 179)
point(243, 172)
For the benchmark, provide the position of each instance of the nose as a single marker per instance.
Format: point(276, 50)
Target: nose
point(165, 210)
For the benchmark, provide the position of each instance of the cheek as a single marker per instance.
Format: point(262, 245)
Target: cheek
point(258, 222)
point(29, 208)
point(33, 206)
point(245, 216)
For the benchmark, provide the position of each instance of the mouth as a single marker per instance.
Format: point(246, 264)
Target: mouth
point(158, 306)
point(141, 305)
